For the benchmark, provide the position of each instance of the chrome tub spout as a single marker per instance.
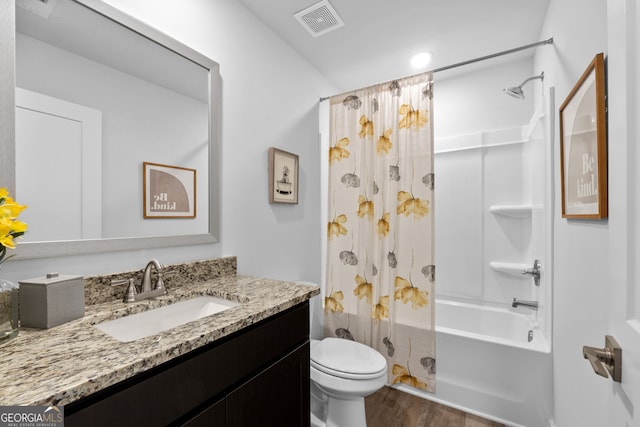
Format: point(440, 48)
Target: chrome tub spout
point(530, 304)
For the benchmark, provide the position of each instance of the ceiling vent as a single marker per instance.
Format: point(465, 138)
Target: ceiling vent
point(319, 19)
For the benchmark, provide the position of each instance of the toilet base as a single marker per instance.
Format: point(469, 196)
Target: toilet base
point(337, 394)
point(346, 413)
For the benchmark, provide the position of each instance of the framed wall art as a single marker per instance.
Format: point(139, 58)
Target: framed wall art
point(283, 176)
point(169, 191)
point(583, 146)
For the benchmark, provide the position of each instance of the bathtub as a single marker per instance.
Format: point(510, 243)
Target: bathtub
point(493, 362)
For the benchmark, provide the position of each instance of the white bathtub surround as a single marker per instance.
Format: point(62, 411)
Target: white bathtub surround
point(495, 214)
point(494, 360)
point(487, 366)
point(380, 257)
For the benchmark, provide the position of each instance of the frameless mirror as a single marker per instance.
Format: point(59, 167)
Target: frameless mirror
point(97, 95)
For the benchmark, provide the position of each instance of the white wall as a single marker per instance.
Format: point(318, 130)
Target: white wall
point(270, 98)
point(580, 247)
point(474, 101)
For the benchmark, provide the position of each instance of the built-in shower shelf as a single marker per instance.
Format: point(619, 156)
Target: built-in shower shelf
point(512, 268)
point(512, 211)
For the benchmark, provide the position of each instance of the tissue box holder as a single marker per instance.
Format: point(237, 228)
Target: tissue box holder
point(49, 301)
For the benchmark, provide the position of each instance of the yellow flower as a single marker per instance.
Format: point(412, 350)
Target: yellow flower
point(411, 117)
point(383, 225)
point(366, 127)
point(406, 292)
point(365, 207)
point(10, 209)
point(336, 228)
point(381, 309)
point(339, 151)
point(404, 376)
point(6, 239)
point(384, 142)
point(410, 205)
point(10, 227)
point(364, 289)
point(332, 302)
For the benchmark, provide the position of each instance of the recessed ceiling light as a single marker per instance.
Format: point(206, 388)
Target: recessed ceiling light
point(420, 60)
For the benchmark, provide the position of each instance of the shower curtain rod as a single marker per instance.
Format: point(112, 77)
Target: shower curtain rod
point(471, 61)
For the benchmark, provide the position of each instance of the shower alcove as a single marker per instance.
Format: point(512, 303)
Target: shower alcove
point(493, 216)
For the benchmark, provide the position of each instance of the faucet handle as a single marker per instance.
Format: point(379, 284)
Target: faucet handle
point(534, 272)
point(118, 282)
point(163, 275)
point(130, 294)
point(160, 282)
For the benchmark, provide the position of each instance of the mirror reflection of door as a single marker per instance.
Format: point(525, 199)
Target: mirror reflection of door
point(58, 167)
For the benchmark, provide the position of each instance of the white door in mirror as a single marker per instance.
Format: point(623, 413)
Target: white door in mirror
point(152, 322)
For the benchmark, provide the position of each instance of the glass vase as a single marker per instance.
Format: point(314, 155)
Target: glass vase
point(9, 323)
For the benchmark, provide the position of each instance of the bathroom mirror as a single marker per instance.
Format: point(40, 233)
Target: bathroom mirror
point(97, 94)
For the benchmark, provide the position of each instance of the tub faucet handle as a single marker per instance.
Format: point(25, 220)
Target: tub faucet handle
point(534, 271)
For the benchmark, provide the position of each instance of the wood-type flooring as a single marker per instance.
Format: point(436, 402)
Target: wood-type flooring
point(389, 407)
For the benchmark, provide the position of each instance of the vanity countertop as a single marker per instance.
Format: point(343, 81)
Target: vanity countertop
point(60, 365)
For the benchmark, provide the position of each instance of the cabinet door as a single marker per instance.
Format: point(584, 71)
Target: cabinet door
point(278, 396)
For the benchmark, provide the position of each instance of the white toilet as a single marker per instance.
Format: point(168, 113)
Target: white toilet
point(343, 372)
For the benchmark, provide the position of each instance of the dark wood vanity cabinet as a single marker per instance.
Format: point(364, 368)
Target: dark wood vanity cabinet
point(257, 376)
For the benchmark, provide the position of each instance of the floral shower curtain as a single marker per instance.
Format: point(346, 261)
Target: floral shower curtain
point(380, 260)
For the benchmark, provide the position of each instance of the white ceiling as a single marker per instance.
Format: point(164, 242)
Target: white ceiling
point(379, 36)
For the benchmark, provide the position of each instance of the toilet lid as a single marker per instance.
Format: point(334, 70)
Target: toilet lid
point(347, 359)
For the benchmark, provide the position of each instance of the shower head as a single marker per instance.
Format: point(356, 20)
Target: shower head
point(516, 91)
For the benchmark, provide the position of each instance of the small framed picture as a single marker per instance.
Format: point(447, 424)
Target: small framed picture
point(283, 176)
point(583, 146)
point(169, 191)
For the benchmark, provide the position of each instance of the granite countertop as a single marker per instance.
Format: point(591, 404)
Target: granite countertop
point(60, 365)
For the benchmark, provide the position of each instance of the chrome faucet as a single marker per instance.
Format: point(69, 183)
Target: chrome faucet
point(529, 304)
point(132, 294)
point(146, 276)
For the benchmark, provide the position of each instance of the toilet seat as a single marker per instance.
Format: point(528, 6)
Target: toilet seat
point(347, 359)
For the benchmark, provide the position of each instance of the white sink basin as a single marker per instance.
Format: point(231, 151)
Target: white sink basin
point(152, 322)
